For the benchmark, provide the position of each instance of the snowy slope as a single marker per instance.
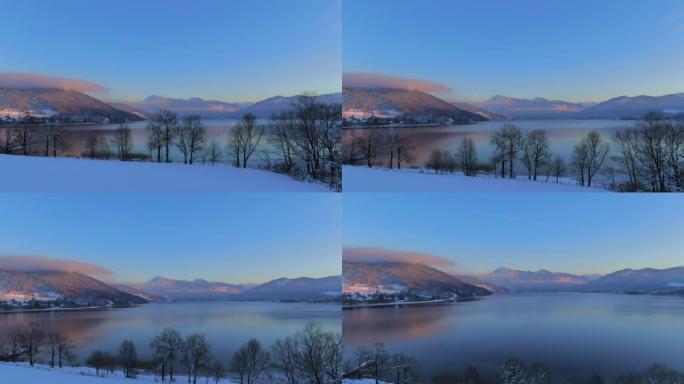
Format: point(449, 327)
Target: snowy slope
point(22, 373)
point(363, 179)
point(41, 174)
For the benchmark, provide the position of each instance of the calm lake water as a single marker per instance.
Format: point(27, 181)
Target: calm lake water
point(227, 325)
point(216, 129)
point(563, 135)
point(577, 334)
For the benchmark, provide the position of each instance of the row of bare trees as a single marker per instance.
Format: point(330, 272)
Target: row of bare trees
point(651, 155)
point(25, 137)
point(366, 148)
point(165, 130)
point(308, 140)
point(312, 355)
point(29, 342)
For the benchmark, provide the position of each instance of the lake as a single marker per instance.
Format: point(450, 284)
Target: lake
point(563, 135)
point(577, 334)
point(227, 325)
point(216, 129)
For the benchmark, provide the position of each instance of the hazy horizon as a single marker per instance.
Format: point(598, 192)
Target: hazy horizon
point(239, 51)
point(579, 51)
point(130, 238)
point(477, 233)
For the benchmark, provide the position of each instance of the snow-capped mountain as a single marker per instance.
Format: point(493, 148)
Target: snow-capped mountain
point(388, 103)
point(489, 115)
point(277, 104)
point(636, 107)
point(541, 280)
point(53, 285)
point(639, 280)
point(396, 277)
point(298, 289)
point(183, 290)
point(184, 107)
point(61, 103)
point(530, 108)
point(283, 289)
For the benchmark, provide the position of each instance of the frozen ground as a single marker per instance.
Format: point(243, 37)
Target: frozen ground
point(364, 179)
point(22, 373)
point(45, 174)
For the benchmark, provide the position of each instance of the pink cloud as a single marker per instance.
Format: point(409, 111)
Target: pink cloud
point(36, 80)
point(383, 255)
point(40, 263)
point(380, 81)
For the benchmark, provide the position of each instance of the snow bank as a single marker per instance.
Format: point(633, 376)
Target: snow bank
point(22, 373)
point(45, 174)
point(364, 179)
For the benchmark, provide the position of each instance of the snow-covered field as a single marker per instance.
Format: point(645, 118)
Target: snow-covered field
point(364, 179)
point(22, 373)
point(45, 174)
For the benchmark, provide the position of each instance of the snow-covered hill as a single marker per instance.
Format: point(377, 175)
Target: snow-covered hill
point(364, 179)
point(44, 174)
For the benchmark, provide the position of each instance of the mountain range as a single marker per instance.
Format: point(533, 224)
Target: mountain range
point(647, 280)
point(219, 109)
point(73, 105)
point(79, 107)
point(389, 103)
point(283, 289)
point(55, 285)
point(397, 277)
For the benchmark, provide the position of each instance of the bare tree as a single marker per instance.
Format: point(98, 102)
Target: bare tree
point(285, 354)
point(400, 148)
point(250, 361)
point(558, 168)
point(97, 360)
point(580, 158)
point(512, 371)
point(214, 152)
point(467, 157)
point(155, 138)
point(165, 122)
point(245, 136)
point(61, 349)
point(196, 355)
point(592, 152)
point(167, 347)
point(31, 340)
point(333, 353)
point(507, 142)
point(128, 358)
point(123, 141)
point(406, 369)
point(312, 344)
point(25, 134)
point(284, 128)
point(627, 144)
point(191, 136)
point(217, 371)
point(535, 152)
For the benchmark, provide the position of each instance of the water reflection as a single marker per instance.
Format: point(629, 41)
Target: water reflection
point(563, 135)
point(578, 335)
point(227, 325)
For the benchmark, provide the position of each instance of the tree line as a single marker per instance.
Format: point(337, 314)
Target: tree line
point(648, 157)
point(311, 355)
point(306, 140)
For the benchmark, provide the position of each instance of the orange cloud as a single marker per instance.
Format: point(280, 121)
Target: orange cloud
point(380, 81)
point(36, 80)
point(383, 255)
point(40, 263)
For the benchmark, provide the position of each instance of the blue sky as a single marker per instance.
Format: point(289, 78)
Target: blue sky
point(223, 237)
point(581, 50)
point(229, 50)
point(575, 233)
